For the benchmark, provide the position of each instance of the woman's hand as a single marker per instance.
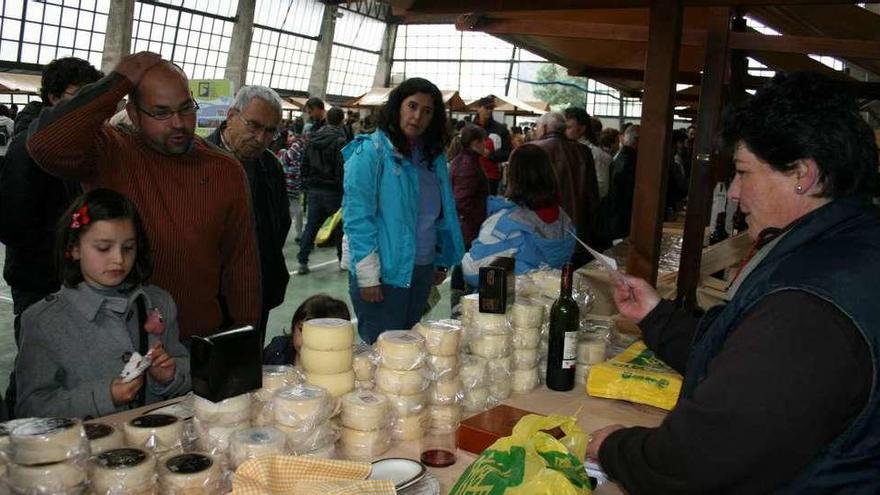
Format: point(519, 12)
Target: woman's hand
point(123, 393)
point(372, 294)
point(635, 297)
point(597, 438)
point(163, 368)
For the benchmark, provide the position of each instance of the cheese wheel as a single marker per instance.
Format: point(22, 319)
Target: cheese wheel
point(328, 334)
point(400, 349)
point(399, 382)
point(193, 474)
point(591, 351)
point(275, 377)
point(365, 385)
point(262, 413)
point(326, 452)
point(499, 390)
point(337, 384)
point(526, 314)
point(231, 411)
point(581, 372)
point(526, 338)
point(524, 380)
point(407, 405)
point(470, 305)
point(408, 427)
point(302, 406)
point(251, 443)
point(444, 417)
point(364, 410)
point(476, 399)
point(123, 471)
point(59, 477)
point(524, 359)
point(325, 362)
point(364, 445)
point(47, 440)
point(445, 391)
point(441, 337)
point(472, 371)
point(156, 432)
point(490, 323)
point(215, 438)
point(491, 346)
point(443, 365)
point(363, 366)
point(5, 429)
point(300, 441)
point(499, 368)
point(103, 437)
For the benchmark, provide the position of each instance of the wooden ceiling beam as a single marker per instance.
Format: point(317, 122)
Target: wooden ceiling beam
point(460, 6)
point(628, 74)
point(806, 45)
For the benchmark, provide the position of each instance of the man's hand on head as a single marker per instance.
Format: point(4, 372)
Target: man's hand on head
point(133, 67)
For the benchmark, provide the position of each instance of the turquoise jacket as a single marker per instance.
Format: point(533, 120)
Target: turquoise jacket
point(380, 208)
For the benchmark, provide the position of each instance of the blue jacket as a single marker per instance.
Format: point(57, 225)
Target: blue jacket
point(380, 208)
point(518, 232)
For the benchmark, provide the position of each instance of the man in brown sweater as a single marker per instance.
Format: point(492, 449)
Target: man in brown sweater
point(194, 198)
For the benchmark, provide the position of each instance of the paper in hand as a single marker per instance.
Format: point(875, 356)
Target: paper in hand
point(135, 366)
point(606, 261)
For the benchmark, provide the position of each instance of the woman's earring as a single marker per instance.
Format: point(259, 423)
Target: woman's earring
point(799, 189)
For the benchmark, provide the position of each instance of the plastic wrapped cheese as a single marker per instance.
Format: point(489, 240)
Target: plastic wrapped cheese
point(337, 384)
point(399, 382)
point(407, 405)
point(364, 445)
point(444, 417)
point(441, 337)
point(526, 338)
point(5, 429)
point(275, 377)
point(325, 362)
point(491, 346)
point(364, 363)
point(476, 399)
point(525, 314)
point(470, 305)
point(365, 410)
point(214, 439)
point(365, 385)
point(325, 452)
point(591, 350)
point(442, 365)
point(472, 371)
point(400, 350)
point(445, 391)
point(47, 440)
point(328, 334)
point(581, 372)
point(123, 471)
point(523, 359)
point(302, 406)
point(103, 437)
point(251, 443)
point(524, 380)
point(65, 477)
point(302, 441)
point(407, 428)
point(490, 323)
point(155, 432)
point(232, 411)
point(190, 474)
point(262, 413)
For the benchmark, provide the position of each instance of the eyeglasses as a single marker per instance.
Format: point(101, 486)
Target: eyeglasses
point(256, 127)
point(186, 110)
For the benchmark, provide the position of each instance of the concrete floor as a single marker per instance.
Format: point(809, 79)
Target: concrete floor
point(325, 277)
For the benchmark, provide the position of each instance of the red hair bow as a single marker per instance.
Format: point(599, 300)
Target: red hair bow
point(80, 217)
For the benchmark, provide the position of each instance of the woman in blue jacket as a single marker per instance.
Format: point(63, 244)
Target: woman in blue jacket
point(528, 224)
point(399, 217)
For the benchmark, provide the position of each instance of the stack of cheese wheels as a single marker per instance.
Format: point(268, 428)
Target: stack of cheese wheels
point(403, 377)
point(274, 378)
point(326, 354)
point(590, 350)
point(252, 443)
point(123, 471)
point(442, 341)
point(470, 305)
point(302, 413)
point(191, 474)
point(366, 421)
point(526, 319)
point(364, 364)
point(47, 455)
point(103, 437)
point(472, 373)
point(492, 341)
point(161, 434)
point(215, 422)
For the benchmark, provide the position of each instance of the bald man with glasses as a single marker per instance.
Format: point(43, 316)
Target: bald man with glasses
point(193, 197)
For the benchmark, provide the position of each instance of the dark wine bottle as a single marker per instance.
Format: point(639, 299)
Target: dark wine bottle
point(564, 326)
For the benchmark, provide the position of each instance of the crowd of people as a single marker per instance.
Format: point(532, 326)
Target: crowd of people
point(124, 239)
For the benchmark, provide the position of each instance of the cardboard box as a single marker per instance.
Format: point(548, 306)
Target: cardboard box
point(227, 364)
point(478, 432)
point(497, 285)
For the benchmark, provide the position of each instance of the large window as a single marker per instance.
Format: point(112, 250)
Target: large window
point(357, 41)
point(284, 42)
point(37, 32)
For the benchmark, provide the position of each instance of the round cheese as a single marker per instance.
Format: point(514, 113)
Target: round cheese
point(444, 417)
point(231, 411)
point(365, 410)
point(472, 371)
point(326, 452)
point(328, 334)
point(524, 359)
point(302, 406)
point(499, 390)
point(524, 380)
point(591, 351)
point(476, 399)
point(156, 432)
point(491, 346)
point(103, 437)
point(215, 438)
point(470, 305)
point(499, 368)
point(365, 385)
point(445, 391)
point(400, 350)
point(441, 337)
point(526, 315)
point(123, 471)
point(275, 377)
point(490, 323)
point(5, 429)
point(59, 477)
point(325, 362)
point(47, 440)
point(399, 382)
point(337, 384)
point(300, 441)
point(251, 443)
point(443, 365)
point(364, 445)
point(262, 413)
point(407, 405)
point(363, 366)
point(581, 372)
point(526, 338)
point(191, 474)
point(408, 427)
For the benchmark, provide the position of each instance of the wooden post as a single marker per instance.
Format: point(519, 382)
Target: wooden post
point(649, 200)
point(702, 183)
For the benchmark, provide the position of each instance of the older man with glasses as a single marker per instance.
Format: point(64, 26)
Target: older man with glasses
point(250, 127)
point(193, 197)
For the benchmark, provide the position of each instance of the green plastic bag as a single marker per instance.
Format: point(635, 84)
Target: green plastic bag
point(530, 461)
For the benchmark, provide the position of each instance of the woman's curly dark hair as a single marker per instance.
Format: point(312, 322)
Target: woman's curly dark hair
point(801, 115)
point(436, 136)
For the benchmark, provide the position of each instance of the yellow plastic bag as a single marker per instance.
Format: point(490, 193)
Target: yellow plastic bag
point(530, 461)
point(325, 233)
point(636, 375)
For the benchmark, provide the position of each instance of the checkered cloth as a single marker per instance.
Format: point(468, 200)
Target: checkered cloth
point(284, 474)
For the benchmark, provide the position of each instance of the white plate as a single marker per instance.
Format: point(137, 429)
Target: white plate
point(402, 472)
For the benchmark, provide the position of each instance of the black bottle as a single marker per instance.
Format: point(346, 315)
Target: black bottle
point(564, 326)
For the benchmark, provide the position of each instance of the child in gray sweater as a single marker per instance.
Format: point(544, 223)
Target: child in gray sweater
point(75, 343)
